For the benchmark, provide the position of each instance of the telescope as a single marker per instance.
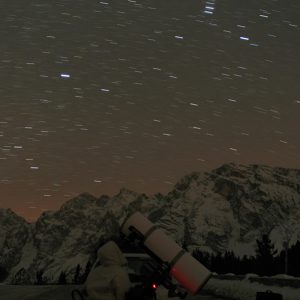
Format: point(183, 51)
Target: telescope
point(170, 260)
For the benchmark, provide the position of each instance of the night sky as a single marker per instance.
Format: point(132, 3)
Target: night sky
point(100, 95)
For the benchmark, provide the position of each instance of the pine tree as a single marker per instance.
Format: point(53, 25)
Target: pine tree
point(265, 254)
point(217, 263)
point(76, 279)
point(62, 278)
point(40, 279)
point(294, 259)
point(3, 273)
point(203, 257)
point(86, 272)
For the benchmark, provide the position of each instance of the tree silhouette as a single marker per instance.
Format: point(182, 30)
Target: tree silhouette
point(217, 263)
point(203, 257)
point(294, 259)
point(266, 262)
point(76, 279)
point(40, 279)
point(3, 273)
point(86, 272)
point(265, 253)
point(62, 278)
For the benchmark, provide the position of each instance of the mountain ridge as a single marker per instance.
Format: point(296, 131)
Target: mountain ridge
point(225, 209)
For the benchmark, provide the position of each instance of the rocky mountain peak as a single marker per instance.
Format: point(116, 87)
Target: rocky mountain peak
point(79, 202)
point(14, 231)
point(125, 197)
point(8, 216)
point(225, 209)
point(233, 170)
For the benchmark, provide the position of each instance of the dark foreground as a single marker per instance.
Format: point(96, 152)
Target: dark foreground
point(10, 292)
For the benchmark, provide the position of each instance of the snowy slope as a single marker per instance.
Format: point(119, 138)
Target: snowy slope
point(246, 290)
point(231, 206)
point(14, 232)
point(227, 208)
point(60, 240)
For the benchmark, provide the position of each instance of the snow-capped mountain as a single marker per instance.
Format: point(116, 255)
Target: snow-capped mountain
point(225, 209)
point(231, 206)
point(14, 233)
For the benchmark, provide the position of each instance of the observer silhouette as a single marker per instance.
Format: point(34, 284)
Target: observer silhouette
point(108, 280)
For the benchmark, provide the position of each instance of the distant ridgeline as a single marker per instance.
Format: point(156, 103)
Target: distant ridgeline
point(233, 219)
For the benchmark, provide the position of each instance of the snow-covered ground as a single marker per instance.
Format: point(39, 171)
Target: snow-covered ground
point(9, 292)
point(215, 289)
point(28, 292)
point(246, 290)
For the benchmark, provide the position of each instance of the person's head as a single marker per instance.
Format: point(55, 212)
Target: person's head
point(110, 254)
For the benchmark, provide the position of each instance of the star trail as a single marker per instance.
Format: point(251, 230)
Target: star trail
point(100, 95)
